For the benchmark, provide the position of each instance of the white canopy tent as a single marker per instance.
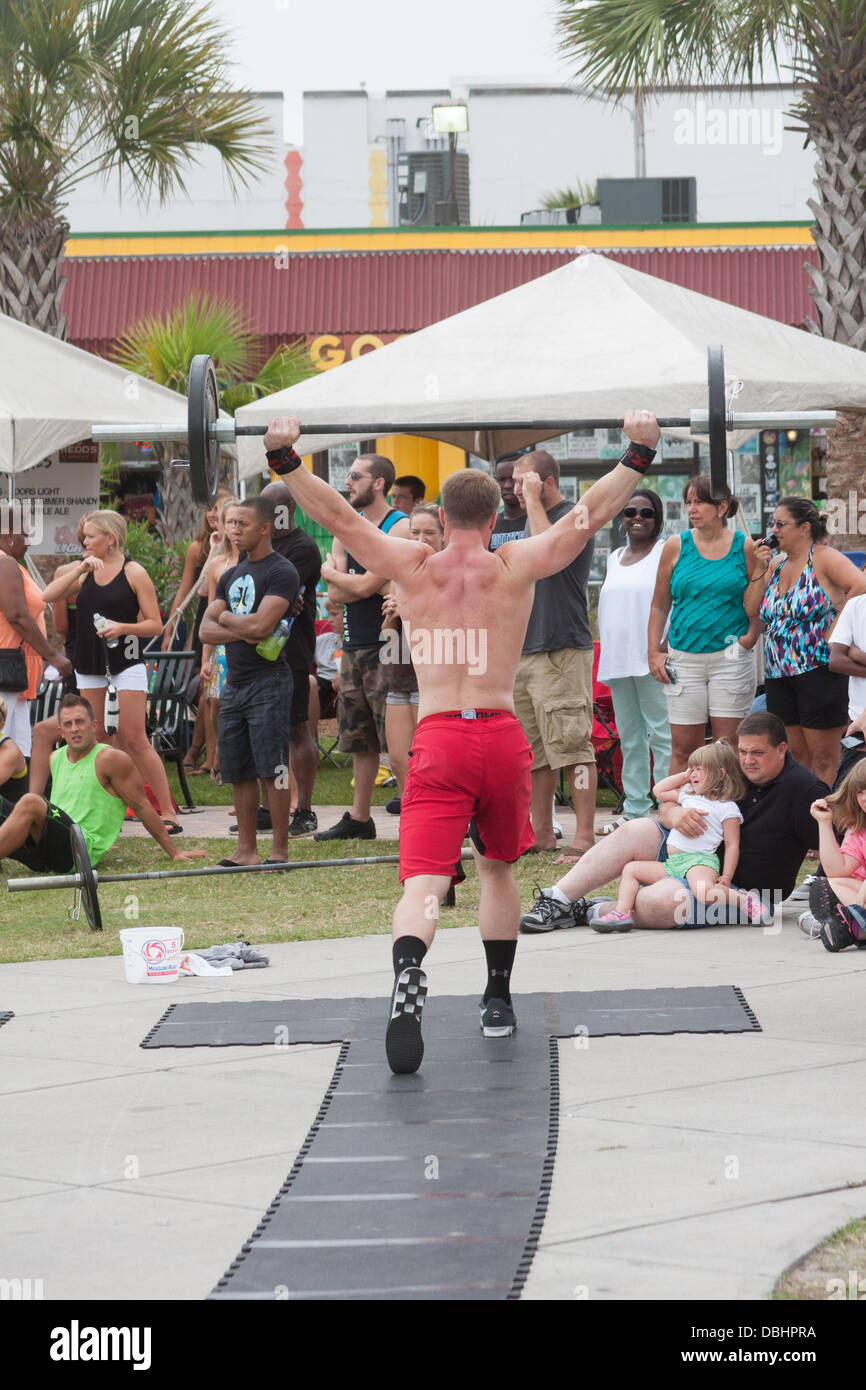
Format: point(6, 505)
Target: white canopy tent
point(589, 340)
point(51, 394)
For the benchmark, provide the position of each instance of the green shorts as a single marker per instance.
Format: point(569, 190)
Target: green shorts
point(677, 865)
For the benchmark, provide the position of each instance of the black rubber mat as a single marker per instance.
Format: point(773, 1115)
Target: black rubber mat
point(431, 1186)
point(596, 1014)
point(5, 1017)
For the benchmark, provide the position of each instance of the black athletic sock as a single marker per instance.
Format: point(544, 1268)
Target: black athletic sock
point(500, 958)
point(408, 950)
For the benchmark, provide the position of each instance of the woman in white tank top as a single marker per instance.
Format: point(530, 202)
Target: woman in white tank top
point(639, 704)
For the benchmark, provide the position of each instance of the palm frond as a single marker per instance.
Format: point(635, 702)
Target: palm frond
point(161, 346)
point(572, 196)
point(290, 364)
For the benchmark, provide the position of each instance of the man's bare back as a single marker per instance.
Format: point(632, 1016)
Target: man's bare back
point(464, 614)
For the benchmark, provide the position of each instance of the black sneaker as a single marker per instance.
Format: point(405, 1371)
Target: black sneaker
point(546, 914)
point(497, 1019)
point(303, 822)
point(348, 829)
point(839, 927)
point(393, 806)
point(263, 819)
point(404, 1046)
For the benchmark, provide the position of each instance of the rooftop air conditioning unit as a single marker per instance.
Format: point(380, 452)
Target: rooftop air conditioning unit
point(630, 202)
point(424, 181)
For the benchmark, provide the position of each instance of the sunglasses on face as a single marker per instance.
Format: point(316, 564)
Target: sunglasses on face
point(646, 512)
point(355, 477)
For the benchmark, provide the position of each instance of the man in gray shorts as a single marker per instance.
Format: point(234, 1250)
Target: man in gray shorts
point(553, 685)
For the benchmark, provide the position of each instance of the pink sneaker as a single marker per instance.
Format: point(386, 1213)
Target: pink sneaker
point(756, 909)
point(612, 920)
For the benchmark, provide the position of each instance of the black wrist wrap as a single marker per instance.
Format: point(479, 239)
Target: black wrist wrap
point(638, 457)
point(283, 460)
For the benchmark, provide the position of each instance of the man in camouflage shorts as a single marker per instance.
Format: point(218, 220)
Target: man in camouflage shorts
point(363, 683)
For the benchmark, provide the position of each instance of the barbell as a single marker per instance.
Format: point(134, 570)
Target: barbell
point(205, 431)
point(85, 880)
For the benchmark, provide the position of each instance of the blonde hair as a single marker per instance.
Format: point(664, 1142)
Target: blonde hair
point(110, 524)
point(725, 782)
point(229, 500)
point(4, 713)
point(847, 815)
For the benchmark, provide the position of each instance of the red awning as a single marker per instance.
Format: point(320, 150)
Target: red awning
point(394, 292)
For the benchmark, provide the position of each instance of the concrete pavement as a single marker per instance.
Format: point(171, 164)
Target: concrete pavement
point(691, 1166)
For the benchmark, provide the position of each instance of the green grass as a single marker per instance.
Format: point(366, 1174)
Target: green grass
point(828, 1269)
point(308, 905)
point(333, 788)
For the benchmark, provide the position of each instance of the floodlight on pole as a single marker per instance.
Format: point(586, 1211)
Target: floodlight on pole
point(451, 119)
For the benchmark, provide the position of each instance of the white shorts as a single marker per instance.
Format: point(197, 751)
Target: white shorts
point(17, 724)
point(720, 685)
point(133, 678)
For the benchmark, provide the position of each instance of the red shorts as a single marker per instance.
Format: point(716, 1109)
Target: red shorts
point(461, 770)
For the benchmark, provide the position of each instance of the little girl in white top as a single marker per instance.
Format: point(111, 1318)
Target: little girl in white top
point(713, 784)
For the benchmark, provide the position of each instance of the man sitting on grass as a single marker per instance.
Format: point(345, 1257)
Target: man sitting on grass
point(91, 786)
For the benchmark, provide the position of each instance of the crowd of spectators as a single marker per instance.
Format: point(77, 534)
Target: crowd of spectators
point(679, 618)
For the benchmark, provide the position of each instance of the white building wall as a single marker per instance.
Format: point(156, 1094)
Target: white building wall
point(95, 206)
point(336, 167)
point(527, 144)
point(523, 141)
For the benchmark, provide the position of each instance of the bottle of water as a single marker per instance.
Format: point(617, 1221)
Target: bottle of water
point(101, 624)
point(111, 717)
point(270, 647)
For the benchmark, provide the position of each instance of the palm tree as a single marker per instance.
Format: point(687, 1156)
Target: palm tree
point(125, 87)
point(641, 45)
point(161, 348)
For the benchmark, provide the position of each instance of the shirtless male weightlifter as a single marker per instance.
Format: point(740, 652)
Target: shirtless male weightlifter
point(465, 609)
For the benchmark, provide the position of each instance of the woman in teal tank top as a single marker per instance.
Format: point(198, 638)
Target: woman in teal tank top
point(702, 580)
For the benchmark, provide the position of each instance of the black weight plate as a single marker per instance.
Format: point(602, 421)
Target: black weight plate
point(84, 868)
point(717, 424)
point(202, 412)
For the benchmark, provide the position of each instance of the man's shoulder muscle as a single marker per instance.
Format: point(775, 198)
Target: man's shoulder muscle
point(111, 762)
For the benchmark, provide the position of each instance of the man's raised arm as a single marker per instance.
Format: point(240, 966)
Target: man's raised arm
point(550, 551)
point(382, 554)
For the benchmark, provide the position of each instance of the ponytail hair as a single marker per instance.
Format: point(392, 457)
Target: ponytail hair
point(803, 512)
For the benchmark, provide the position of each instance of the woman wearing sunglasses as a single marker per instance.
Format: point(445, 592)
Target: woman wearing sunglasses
point(623, 614)
point(797, 595)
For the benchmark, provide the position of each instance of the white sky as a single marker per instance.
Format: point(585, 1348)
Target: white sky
point(295, 46)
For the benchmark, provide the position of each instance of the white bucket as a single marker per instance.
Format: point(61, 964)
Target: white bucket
point(151, 955)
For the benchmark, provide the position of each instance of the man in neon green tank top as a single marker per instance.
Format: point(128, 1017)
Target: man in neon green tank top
point(91, 786)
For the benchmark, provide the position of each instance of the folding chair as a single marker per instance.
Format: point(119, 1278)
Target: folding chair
point(169, 676)
point(328, 744)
